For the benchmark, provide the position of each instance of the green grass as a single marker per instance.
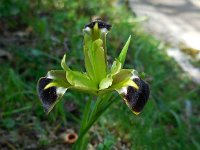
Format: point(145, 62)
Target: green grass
point(170, 120)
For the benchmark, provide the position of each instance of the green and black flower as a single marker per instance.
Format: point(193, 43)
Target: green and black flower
point(98, 78)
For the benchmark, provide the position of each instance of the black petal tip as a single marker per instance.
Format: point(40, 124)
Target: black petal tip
point(48, 96)
point(101, 24)
point(137, 99)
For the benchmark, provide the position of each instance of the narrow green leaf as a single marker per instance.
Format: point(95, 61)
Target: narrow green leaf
point(86, 114)
point(123, 53)
point(64, 65)
point(84, 143)
point(84, 123)
point(101, 105)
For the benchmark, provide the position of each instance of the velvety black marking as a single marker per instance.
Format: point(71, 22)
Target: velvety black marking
point(101, 24)
point(49, 96)
point(138, 98)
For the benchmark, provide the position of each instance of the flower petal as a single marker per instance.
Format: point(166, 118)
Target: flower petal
point(122, 76)
point(80, 81)
point(135, 99)
point(97, 58)
point(105, 83)
point(101, 24)
point(49, 97)
point(120, 80)
point(116, 67)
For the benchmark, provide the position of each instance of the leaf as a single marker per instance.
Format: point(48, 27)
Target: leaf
point(101, 104)
point(86, 114)
point(92, 115)
point(64, 65)
point(105, 83)
point(123, 53)
point(116, 67)
point(84, 122)
point(8, 123)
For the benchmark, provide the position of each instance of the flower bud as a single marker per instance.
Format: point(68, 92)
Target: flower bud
point(96, 30)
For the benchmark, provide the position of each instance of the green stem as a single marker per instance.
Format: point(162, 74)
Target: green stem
point(91, 115)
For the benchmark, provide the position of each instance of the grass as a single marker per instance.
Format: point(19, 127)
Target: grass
point(36, 43)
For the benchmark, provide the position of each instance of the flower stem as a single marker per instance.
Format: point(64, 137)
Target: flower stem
point(91, 115)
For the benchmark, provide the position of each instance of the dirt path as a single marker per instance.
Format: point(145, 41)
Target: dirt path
point(173, 20)
point(176, 22)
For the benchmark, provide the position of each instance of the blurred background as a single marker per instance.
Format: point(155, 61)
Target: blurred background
point(34, 35)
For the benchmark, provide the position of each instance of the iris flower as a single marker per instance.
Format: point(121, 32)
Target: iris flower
point(98, 78)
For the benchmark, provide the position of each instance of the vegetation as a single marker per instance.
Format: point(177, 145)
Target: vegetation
point(34, 35)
